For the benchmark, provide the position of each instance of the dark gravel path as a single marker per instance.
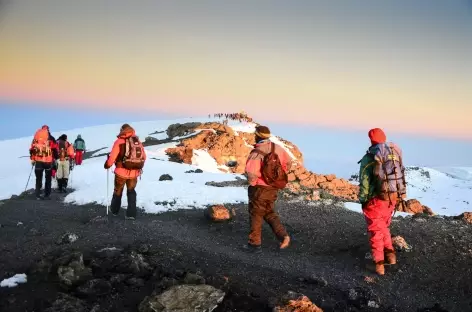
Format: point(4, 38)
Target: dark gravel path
point(326, 261)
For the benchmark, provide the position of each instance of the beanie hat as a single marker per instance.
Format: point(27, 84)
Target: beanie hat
point(263, 132)
point(46, 127)
point(377, 136)
point(124, 127)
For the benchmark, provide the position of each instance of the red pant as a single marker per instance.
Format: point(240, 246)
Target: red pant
point(378, 215)
point(78, 157)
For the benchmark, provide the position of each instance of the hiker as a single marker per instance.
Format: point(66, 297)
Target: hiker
point(64, 163)
point(264, 186)
point(42, 155)
point(382, 185)
point(54, 164)
point(79, 147)
point(129, 156)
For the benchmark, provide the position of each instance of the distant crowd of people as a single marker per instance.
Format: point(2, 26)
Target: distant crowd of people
point(232, 116)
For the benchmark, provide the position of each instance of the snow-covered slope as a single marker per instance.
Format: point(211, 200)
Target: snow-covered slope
point(448, 191)
point(90, 180)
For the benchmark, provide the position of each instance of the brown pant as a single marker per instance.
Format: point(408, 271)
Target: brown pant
point(261, 207)
point(130, 193)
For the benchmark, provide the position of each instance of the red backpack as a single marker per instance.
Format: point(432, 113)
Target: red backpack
point(271, 170)
point(134, 154)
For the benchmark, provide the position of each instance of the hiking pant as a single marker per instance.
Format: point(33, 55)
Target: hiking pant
point(261, 208)
point(378, 215)
point(39, 168)
point(78, 157)
point(130, 193)
point(63, 169)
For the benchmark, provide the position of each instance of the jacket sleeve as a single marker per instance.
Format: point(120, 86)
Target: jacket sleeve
point(253, 168)
point(75, 144)
point(115, 151)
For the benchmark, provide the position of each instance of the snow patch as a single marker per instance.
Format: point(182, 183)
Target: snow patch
point(14, 280)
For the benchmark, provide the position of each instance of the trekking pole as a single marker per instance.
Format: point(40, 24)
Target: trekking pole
point(32, 166)
point(108, 174)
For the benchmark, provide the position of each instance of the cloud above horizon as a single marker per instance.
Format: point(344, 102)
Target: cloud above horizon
point(403, 66)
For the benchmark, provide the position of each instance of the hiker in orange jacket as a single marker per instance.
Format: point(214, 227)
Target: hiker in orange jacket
point(129, 156)
point(262, 197)
point(43, 152)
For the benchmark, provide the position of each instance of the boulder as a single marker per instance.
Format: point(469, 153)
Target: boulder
point(184, 298)
point(95, 287)
point(413, 206)
point(400, 244)
point(134, 263)
point(218, 213)
point(294, 302)
point(178, 130)
point(66, 303)
point(73, 270)
point(467, 217)
point(166, 177)
point(194, 279)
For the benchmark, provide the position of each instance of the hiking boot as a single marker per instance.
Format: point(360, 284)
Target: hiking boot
point(380, 268)
point(390, 256)
point(130, 218)
point(285, 243)
point(252, 248)
point(39, 197)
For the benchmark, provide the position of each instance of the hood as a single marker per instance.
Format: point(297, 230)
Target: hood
point(79, 137)
point(126, 133)
point(63, 137)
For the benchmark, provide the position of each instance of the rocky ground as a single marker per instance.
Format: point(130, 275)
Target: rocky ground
point(146, 257)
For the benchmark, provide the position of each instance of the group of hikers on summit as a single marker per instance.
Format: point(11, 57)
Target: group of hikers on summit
point(381, 177)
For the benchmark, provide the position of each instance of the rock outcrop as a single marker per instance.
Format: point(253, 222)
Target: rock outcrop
point(231, 149)
point(414, 206)
point(467, 217)
point(219, 213)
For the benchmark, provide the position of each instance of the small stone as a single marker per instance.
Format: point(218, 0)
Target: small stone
point(136, 282)
point(194, 279)
point(317, 280)
point(67, 238)
point(166, 177)
point(373, 304)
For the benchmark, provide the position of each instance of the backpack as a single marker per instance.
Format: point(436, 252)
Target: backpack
point(272, 171)
point(40, 146)
point(63, 146)
point(134, 154)
point(392, 171)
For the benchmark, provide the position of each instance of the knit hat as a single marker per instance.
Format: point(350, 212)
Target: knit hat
point(377, 136)
point(263, 132)
point(124, 127)
point(46, 127)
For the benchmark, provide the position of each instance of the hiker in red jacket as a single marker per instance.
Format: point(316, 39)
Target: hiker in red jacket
point(382, 185)
point(129, 156)
point(262, 196)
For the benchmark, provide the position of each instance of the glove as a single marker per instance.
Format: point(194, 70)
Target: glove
point(106, 166)
point(33, 162)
